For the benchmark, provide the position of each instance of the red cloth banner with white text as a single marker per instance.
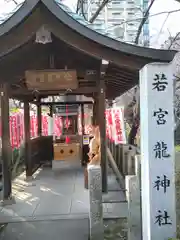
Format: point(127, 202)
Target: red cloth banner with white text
point(115, 127)
point(16, 127)
point(118, 126)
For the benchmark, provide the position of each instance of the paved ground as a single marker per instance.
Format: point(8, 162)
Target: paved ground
point(46, 230)
point(57, 206)
point(58, 195)
point(55, 194)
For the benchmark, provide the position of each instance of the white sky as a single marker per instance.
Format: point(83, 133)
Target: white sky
point(157, 34)
point(170, 23)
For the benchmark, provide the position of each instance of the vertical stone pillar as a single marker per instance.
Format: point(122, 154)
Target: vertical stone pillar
point(134, 203)
point(95, 197)
point(177, 183)
point(157, 151)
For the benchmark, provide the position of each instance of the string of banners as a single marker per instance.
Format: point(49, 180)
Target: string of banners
point(115, 127)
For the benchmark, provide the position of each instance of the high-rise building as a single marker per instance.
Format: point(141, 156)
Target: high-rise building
point(120, 17)
point(145, 33)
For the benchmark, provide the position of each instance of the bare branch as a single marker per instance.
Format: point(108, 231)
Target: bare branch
point(145, 17)
point(100, 8)
point(78, 7)
point(173, 40)
point(14, 1)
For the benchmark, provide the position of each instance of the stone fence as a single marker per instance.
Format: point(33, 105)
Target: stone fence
point(95, 200)
point(133, 192)
point(95, 191)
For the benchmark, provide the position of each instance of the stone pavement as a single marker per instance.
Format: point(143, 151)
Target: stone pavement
point(56, 206)
point(46, 230)
point(59, 195)
point(55, 195)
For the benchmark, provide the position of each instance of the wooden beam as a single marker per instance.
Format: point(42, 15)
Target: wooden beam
point(78, 91)
point(102, 128)
point(63, 103)
point(27, 140)
point(6, 147)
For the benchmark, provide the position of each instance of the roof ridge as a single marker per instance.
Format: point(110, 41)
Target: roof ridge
point(101, 29)
point(84, 22)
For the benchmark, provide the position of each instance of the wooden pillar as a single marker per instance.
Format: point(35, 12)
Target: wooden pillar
point(95, 110)
point(82, 119)
point(102, 128)
point(27, 140)
point(51, 111)
point(50, 121)
point(6, 147)
point(39, 119)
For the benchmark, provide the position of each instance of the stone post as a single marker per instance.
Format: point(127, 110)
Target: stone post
point(157, 151)
point(95, 197)
point(177, 184)
point(134, 203)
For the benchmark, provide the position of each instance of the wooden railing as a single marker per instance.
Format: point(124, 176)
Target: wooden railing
point(124, 157)
point(41, 151)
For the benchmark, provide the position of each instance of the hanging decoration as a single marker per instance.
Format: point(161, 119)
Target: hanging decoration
point(43, 35)
point(67, 125)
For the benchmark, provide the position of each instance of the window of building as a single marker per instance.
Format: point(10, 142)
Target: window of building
point(130, 9)
point(117, 1)
point(130, 13)
point(112, 20)
point(115, 13)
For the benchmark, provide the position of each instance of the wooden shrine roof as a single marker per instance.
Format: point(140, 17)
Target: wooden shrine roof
point(75, 42)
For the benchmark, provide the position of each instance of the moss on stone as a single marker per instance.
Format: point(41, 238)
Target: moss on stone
point(115, 229)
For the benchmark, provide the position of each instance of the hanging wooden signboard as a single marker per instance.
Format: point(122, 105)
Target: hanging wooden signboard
point(51, 79)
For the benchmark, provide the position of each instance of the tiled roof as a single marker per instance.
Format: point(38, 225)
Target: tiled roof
point(98, 27)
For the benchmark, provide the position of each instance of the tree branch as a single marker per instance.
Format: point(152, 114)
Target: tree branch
point(78, 6)
point(100, 8)
point(174, 39)
point(145, 17)
point(14, 1)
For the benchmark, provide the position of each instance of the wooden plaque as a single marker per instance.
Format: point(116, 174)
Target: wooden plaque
point(51, 79)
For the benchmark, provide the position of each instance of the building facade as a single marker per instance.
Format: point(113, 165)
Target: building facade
point(121, 18)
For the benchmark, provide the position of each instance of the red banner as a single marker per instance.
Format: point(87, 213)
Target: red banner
point(115, 128)
point(14, 135)
point(118, 125)
point(109, 124)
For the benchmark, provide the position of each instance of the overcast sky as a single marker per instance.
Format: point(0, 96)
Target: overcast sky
point(170, 23)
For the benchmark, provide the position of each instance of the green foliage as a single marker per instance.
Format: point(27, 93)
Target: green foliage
point(14, 110)
point(173, 239)
point(17, 161)
point(177, 148)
